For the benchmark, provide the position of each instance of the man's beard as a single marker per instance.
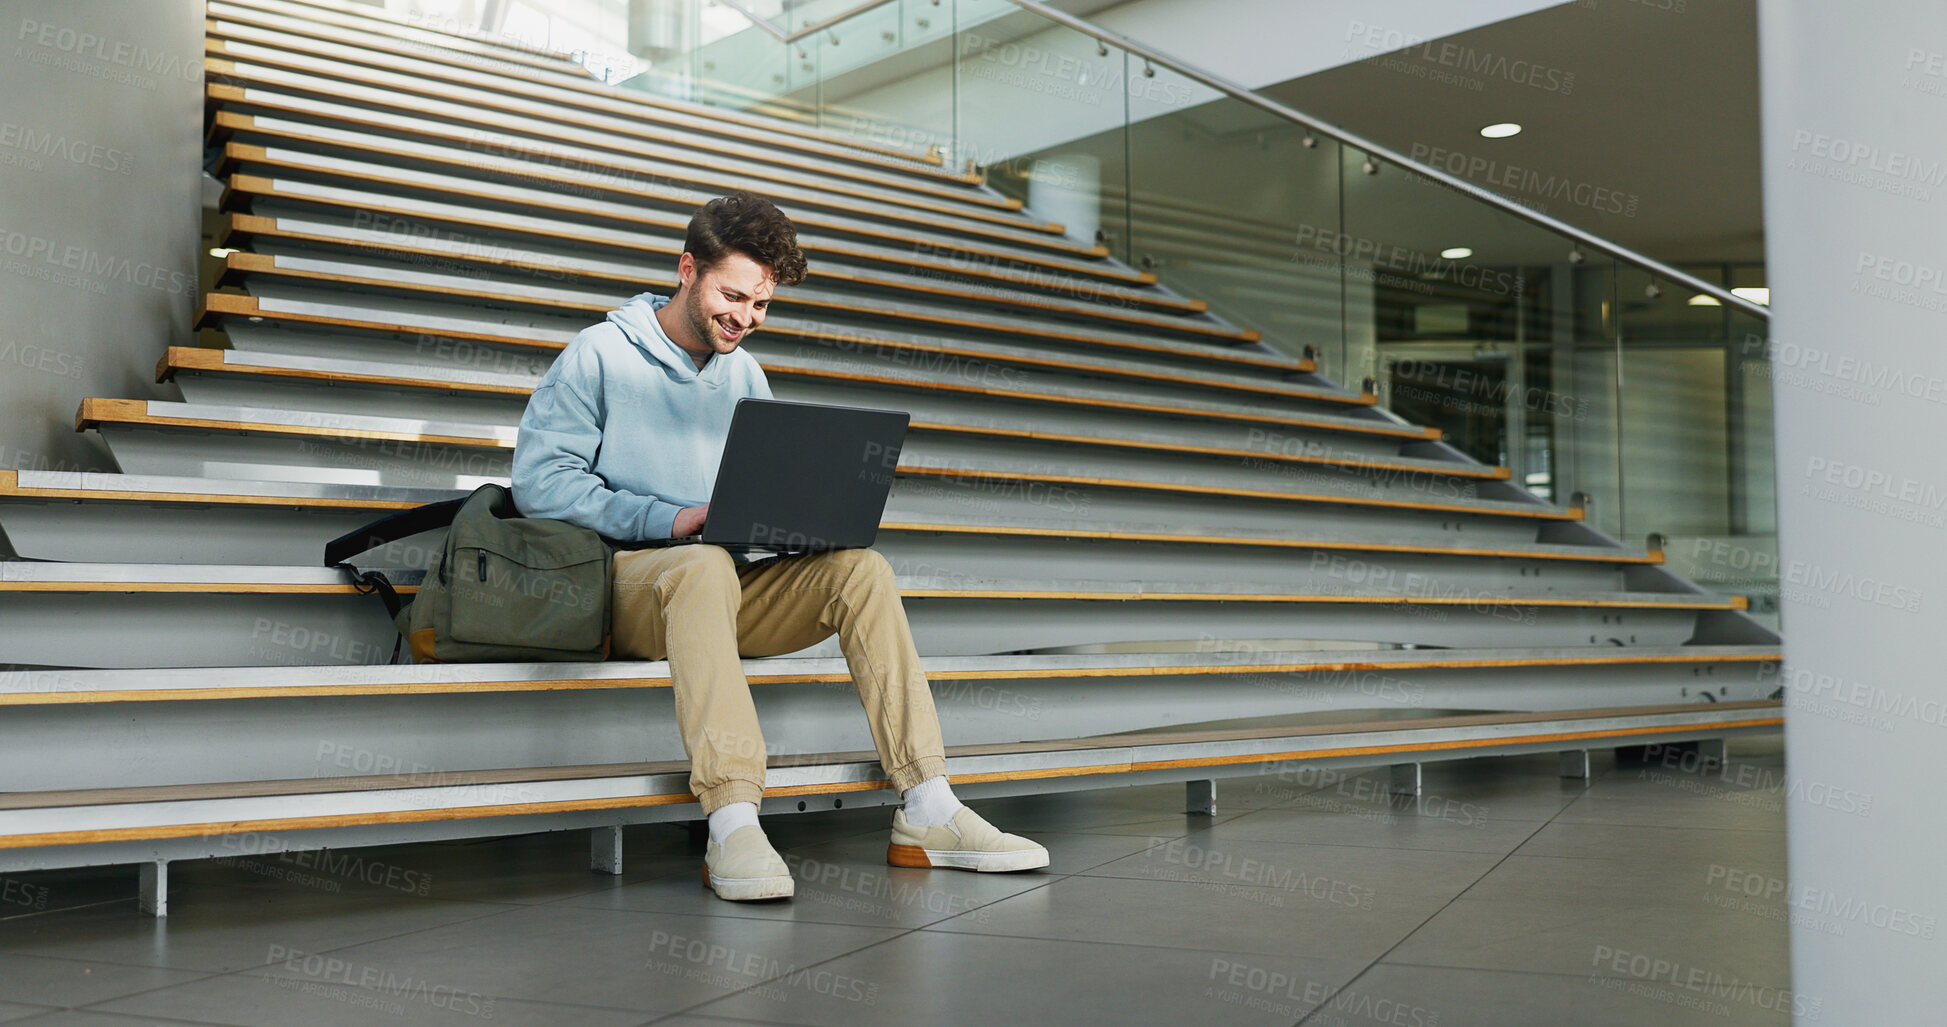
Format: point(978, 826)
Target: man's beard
point(702, 325)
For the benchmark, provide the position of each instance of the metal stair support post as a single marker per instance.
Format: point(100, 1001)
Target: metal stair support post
point(605, 850)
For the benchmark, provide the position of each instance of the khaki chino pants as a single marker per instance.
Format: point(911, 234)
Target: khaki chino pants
point(693, 606)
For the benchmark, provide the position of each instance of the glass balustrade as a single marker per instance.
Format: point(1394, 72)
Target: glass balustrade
point(1589, 378)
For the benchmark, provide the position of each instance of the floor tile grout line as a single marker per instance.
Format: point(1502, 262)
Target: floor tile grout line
point(1530, 973)
point(245, 970)
point(89, 1007)
point(1050, 880)
point(156, 1021)
point(1448, 904)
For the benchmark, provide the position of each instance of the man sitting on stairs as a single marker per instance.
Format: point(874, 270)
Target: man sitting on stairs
point(622, 436)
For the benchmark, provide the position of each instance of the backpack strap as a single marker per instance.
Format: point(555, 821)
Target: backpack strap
point(392, 528)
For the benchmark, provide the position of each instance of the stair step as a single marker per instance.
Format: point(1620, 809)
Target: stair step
point(418, 81)
point(34, 688)
point(153, 497)
point(811, 300)
point(1004, 266)
point(582, 170)
point(1083, 426)
point(184, 811)
point(259, 579)
point(388, 40)
point(1162, 310)
point(476, 47)
point(261, 111)
point(933, 454)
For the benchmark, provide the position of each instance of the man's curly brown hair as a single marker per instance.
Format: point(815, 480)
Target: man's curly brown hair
point(746, 223)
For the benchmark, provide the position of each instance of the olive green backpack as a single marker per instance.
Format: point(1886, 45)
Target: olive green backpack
point(502, 587)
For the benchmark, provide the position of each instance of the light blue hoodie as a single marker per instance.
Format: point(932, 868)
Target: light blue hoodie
point(624, 431)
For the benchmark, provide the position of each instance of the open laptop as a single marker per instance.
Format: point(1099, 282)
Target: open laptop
point(800, 478)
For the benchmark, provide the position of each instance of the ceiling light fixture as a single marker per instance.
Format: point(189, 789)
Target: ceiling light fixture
point(1501, 130)
point(1456, 253)
point(1704, 299)
point(1755, 293)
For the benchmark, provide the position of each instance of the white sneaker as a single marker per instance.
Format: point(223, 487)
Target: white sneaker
point(745, 868)
point(968, 843)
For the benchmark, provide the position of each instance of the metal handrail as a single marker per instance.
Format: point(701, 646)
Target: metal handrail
point(782, 36)
point(1354, 140)
point(1373, 149)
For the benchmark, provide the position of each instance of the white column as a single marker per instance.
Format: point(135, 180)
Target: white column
point(1855, 143)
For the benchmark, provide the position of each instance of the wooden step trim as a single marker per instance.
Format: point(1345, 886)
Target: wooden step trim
point(1540, 513)
point(428, 83)
point(288, 824)
point(212, 361)
point(219, 304)
point(1651, 557)
point(562, 189)
point(223, 692)
point(1682, 601)
point(244, 183)
point(248, 185)
point(484, 46)
point(568, 80)
point(253, 227)
point(258, 263)
point(954, 201)
point(143, 794)
point(189, 588)
point(10, 487)
point(95, 411)
point(701, 178)
point(1724, 603)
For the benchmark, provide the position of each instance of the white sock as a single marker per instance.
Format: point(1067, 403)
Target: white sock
point(731, 817)
point(930, 803)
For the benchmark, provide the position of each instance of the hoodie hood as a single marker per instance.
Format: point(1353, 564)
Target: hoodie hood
point(637, 320)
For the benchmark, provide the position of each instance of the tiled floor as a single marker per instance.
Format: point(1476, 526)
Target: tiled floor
point(1505, 896)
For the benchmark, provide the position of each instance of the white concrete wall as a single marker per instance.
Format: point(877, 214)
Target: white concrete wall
point(1855, 100)
point(101, 126)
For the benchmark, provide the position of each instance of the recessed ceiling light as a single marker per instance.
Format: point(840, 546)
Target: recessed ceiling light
point(1754, 293)
point(1456, 253)
point(1502, 130)
point(1704, 299)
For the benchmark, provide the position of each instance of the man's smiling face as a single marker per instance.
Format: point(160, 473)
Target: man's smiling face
point(723, 305)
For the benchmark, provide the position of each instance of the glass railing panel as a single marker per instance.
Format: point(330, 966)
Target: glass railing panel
point(1492, 329)
point(706, 53)
point(1697, 436)
point(1225, 204)
point(1042, 108)
point(885, 76)
point(799, 15)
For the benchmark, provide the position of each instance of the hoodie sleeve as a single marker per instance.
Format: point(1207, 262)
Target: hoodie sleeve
point(554, 454)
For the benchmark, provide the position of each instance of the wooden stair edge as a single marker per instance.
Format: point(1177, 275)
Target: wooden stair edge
point(37, 695)
point(1131, 740)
